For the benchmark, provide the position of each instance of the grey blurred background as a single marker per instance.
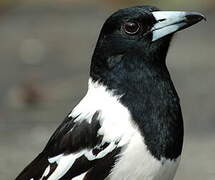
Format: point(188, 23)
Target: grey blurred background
point(45, 52)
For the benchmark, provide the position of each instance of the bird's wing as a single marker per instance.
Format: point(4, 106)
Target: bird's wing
point(75, 148)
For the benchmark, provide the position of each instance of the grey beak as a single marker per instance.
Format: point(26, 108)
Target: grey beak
point(168, 22)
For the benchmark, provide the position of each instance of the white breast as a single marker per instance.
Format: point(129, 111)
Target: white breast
point(137, 163)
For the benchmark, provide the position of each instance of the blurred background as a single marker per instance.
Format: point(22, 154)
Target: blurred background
point(45, 52)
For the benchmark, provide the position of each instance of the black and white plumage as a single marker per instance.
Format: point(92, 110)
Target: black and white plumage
point(129, 125)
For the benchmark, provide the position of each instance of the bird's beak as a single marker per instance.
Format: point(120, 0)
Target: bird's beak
point(168, 22)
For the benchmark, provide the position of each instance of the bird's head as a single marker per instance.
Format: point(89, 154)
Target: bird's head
point(141, 33)
point(129, 60)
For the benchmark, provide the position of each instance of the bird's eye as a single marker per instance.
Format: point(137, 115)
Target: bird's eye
point(131, 28)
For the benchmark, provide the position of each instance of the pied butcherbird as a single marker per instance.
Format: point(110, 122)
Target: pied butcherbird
point(129, 125)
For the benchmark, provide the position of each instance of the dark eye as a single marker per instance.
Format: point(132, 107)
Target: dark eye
point(131, 28)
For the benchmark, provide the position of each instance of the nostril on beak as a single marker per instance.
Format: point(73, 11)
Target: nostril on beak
point(160, 20)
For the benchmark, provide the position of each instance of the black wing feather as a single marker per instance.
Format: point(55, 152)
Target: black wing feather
point(70, 137)
point(83, 135)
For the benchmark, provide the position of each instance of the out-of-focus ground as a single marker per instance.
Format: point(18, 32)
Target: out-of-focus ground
point(45, 51)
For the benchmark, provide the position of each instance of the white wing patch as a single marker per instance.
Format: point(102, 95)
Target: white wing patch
point(65, 162)
point(46, 172)
point(55, 159)
point(116, 126)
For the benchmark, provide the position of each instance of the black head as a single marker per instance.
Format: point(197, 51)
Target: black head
point(141, 32)
point(127, 30)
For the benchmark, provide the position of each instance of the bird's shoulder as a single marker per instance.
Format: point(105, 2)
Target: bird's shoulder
point(96, 129)
point(98, 118)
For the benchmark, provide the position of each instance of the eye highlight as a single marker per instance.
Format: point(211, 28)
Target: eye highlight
point(131, 28)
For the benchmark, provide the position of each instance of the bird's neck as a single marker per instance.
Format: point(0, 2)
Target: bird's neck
point(147, 91)
point(155, 108)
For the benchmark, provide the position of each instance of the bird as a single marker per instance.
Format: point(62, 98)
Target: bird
point(129, 125)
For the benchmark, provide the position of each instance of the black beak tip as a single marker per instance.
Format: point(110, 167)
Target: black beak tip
point(195, 17)
point(204, 18)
